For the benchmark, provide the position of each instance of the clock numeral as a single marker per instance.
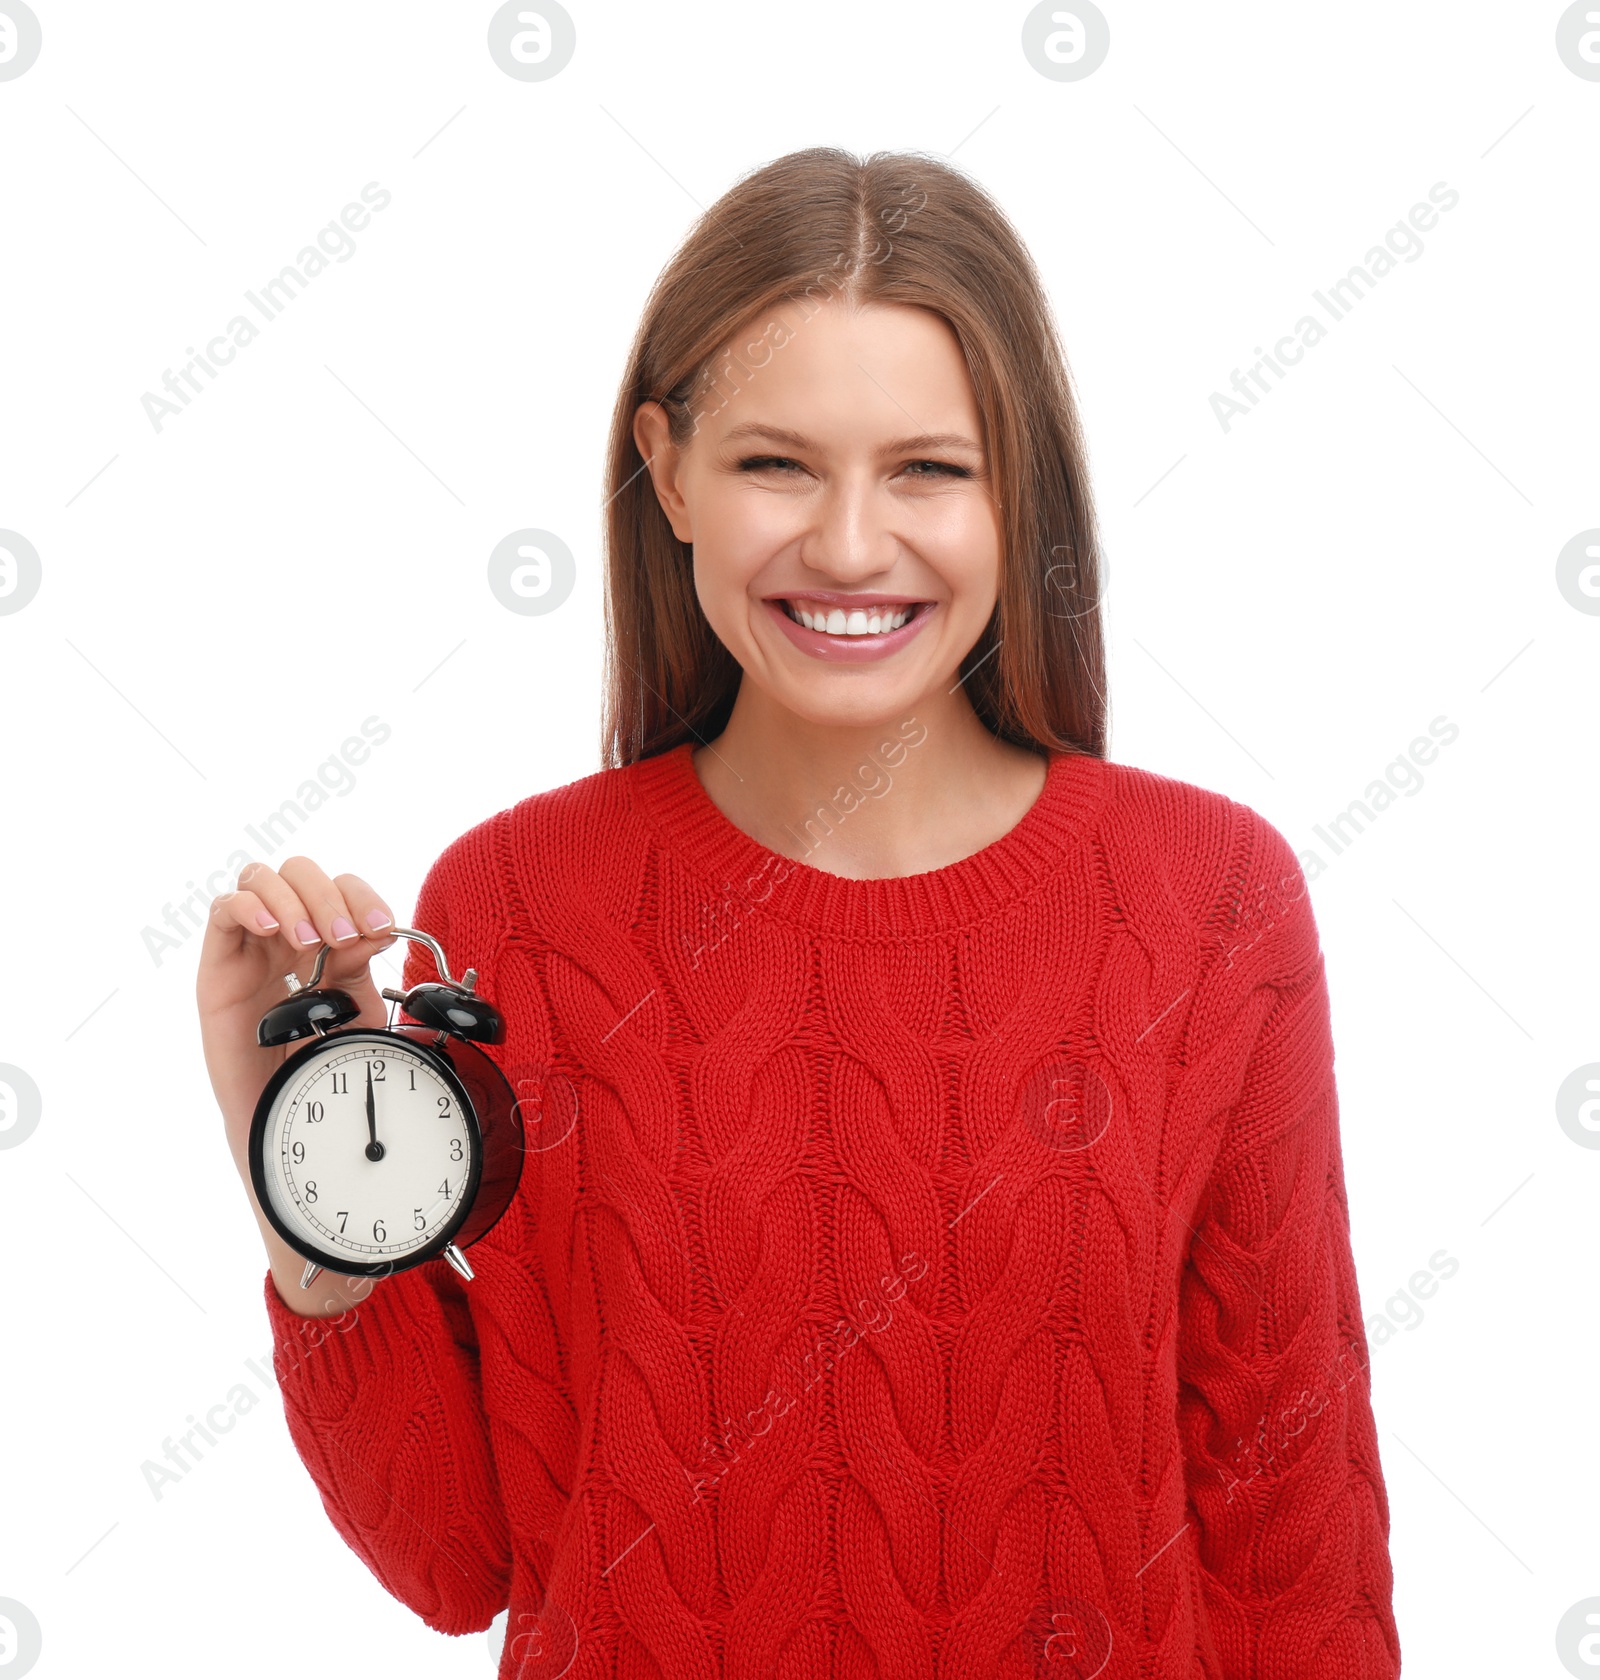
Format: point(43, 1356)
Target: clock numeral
point(311, 1189)
point(444, 1189)
point(413, 1073)
point(313, 1113)
point(341, 1084)
point(417, 1220)
point(341, 1216)
point(377, 1230)
point(377, 1070)
point(455, 1149)
point(298, 1152)
point(444, 1108)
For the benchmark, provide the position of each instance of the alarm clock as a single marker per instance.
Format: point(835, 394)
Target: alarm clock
point(373, 1149)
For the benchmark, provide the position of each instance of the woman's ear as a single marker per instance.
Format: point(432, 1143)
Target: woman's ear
point(652, 435)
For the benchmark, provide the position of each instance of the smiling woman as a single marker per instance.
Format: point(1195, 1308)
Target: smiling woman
point(926, 1196)
point(910, 397)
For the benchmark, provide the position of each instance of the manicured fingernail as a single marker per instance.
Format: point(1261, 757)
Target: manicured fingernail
point(378, 919)
point(343, 928)
point(305, 933)
point(264, 919)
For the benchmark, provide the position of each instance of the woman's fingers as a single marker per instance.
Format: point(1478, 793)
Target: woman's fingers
point(324, 904)
point(307, 907)
point(281, 902)
point(246, 910)
point(367, 910)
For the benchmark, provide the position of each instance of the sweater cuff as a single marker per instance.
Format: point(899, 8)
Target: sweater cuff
point(322, 1361)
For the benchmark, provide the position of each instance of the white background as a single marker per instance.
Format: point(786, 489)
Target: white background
point(1291, 601)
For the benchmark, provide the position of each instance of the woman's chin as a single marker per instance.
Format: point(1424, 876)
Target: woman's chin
point(857, 701)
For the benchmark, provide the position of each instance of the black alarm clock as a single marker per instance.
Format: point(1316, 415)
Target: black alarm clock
point(373, 1149)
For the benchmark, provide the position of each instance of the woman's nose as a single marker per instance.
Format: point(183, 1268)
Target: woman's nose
point(853, 537)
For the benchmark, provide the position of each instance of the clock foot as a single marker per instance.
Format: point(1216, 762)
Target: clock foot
point(309, 1275)
point(458, 1260)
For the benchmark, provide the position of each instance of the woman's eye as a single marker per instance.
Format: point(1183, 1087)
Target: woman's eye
point(783, 463)
point(940, 467)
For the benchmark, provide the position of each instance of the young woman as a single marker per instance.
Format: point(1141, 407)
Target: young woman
point(931, 1257)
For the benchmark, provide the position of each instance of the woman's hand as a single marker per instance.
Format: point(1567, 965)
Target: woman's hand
point(243, 961)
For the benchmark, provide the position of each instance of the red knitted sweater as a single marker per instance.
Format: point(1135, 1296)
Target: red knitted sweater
point(941, 1275)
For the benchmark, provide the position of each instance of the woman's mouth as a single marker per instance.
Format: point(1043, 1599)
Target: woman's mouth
point(849, 630)
point(857, 621)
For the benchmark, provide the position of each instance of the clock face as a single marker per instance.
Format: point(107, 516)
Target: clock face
point(367, 1152)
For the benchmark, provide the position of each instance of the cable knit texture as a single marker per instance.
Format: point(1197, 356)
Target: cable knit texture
point(947, 1275)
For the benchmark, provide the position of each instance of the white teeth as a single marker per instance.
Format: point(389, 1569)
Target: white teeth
point(857, 622)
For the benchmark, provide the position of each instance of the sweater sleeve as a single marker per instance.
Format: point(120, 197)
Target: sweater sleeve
point(384, 1406)
point(1281, 1455)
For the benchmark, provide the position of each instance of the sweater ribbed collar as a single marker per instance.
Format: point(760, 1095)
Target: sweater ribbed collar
point(747, 876)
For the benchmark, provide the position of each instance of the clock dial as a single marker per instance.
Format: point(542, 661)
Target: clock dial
point(368, 1151)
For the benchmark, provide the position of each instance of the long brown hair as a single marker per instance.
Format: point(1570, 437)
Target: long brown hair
point(893, 228)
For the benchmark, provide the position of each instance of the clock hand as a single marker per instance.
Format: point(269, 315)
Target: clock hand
point(374, 1148)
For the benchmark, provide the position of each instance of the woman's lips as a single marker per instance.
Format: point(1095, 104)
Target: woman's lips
point(850, 649)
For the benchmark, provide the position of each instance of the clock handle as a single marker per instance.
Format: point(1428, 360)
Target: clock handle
point(466, 982)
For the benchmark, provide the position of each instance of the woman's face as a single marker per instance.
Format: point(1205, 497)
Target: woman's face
point(843, 480)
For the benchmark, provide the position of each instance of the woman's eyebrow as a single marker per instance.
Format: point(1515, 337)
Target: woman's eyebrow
point(897, 446)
